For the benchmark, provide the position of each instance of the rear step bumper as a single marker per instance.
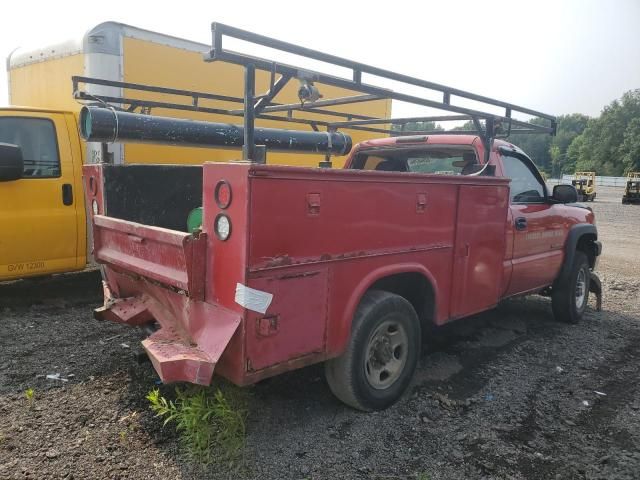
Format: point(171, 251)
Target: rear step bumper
point(177, 361)
point(192, 335)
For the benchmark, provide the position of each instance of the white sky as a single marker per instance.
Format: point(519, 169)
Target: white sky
point(557, 57)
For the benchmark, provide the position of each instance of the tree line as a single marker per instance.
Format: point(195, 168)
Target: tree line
point(608, 144)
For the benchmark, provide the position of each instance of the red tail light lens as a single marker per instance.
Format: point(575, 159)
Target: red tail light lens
point(222, 194)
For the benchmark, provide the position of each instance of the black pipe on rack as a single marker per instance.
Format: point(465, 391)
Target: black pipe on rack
point(101, 124)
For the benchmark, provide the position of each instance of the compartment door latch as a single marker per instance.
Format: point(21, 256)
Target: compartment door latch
point(313, 204)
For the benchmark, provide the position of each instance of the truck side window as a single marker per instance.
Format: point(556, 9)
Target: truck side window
point(37, 139)
point(525, 187)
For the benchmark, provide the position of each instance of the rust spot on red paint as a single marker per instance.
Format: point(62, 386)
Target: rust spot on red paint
point(297, 275)
point(279, 261)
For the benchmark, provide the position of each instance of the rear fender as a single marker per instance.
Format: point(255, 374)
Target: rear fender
point(344, 328)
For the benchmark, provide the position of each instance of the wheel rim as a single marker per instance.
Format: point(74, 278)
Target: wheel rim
point(581, 289)
point(386, 354)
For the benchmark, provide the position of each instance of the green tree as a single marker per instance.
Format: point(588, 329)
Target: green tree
point(609, 141)
point(630, 148)
point(468, 125)
point(418, 127)
point(573, 154)
point(569, 127)
point(535, 145)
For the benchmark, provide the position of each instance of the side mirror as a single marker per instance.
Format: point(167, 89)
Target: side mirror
point(565, 194)
point(11, 162)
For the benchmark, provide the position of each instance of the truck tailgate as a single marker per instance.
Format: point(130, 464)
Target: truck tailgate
point(169, 257)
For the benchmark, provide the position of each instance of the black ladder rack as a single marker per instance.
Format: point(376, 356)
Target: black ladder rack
point(487, 125)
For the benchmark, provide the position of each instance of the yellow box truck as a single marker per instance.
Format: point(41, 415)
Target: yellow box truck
point(42, 214)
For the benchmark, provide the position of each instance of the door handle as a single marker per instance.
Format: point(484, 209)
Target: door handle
point(67, 194)
point(521, 223)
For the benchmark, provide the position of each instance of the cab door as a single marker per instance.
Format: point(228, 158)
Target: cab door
point(38, 215)
point(536, 227)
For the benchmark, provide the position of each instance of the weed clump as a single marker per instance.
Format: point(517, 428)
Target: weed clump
point(29, 394)
point(211, 424)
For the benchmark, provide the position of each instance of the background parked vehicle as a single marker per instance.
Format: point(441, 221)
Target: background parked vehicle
point(632, 188)
point(585, 183)
point(42, 213)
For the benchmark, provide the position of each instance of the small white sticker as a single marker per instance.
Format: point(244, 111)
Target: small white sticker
point(253, 299)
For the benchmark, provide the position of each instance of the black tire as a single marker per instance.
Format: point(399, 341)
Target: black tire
point(568, 306)
point(349, 375)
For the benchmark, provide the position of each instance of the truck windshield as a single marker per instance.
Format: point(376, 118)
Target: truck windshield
point(442, 161)
point(37, 139)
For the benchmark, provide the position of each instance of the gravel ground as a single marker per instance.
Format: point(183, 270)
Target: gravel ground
point(507, 394)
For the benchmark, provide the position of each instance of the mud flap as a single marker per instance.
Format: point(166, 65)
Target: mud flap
point(595, 287)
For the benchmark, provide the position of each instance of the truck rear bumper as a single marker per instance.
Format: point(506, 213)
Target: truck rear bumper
point(192, 335)
point(176, 359)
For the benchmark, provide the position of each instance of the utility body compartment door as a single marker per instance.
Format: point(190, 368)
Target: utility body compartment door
point(479, 248)
point(39, 225)
point(294, 325)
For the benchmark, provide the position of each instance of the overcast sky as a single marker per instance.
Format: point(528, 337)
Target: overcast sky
point(558, 56)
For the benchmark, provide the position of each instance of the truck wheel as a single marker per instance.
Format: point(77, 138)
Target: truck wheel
point(569, 301)
point(381, 356)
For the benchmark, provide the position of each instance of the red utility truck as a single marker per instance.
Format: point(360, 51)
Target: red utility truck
point(293, 266)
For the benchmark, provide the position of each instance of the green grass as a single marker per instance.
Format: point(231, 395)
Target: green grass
point(29, 394)
point(211, 424)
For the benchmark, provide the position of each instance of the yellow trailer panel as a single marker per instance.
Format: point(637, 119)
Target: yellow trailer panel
point(189, 72)
point(46, 84)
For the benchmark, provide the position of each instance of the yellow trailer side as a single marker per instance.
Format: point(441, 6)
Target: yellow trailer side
point(163, 65)
point(46, 83)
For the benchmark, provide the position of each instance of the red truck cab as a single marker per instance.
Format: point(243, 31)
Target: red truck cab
point(537, 226)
